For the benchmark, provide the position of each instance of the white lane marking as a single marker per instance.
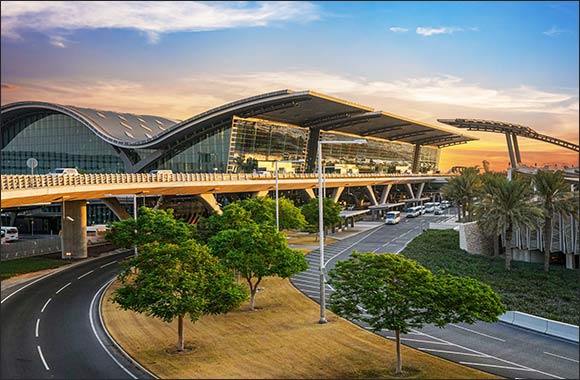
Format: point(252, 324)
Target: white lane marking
point(500, 366)
point(491, 356)
point(451, 352)
point(97, 335)
point(45, 305)
point(476, 332)
point(36, 329)
point(61, 289)
point(561, 357)
point(42, 358)
point(107, 264)
point(420, 341)
point(86, 274)
point(27, 285)
point(352, 245)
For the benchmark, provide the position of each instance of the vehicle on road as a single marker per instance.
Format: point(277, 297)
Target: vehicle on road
point(445, 204)
point(413, 212)
point(64, 171)
point(429, 207)
point(392, 217)
point(10, 233)
point(439, 211)
point(3, 239)
point(161, 172)
point(422, 210)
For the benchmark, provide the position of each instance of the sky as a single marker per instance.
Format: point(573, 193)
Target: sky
point(515, 62)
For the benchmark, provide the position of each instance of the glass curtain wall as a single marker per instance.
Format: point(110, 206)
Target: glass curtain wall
point(56, 141)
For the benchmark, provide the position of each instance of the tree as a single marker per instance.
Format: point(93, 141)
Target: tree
point(490, 181)
point(150, 226)
point(172, 281)
point(331, 212)
point(463, 189)
point(233, 217)
point(507, 205)
point(245, 165)
point(257, 251)
point(555, 198)
point(263, 210)
point(390, 292)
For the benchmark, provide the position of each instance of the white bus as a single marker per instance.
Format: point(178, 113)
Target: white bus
point(413, 212)
point(392, 217)
point(11, 233)
point(429, 207)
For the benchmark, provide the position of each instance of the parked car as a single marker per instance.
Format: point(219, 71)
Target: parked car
point(64, 171)
point(439, 211)
point(10, 233)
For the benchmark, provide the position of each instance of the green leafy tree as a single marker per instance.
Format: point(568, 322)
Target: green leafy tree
point(257, 251)
point(463, 190)
point(390, 292)
point(331, 212)
point(169, 281)
point(506, 206)
point(555, 198)
point(263, 210)
point(233, 217)
point(150, 226)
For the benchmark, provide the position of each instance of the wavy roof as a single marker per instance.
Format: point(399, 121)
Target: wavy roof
point(302, 108)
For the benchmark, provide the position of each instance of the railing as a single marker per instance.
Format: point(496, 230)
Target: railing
point(18, 182)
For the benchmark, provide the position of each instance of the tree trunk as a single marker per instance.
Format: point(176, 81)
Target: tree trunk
point(548, 230)
point(398, 369)
point(180, 344)
point(508, 248)
point(495, 246)
point(253, 291)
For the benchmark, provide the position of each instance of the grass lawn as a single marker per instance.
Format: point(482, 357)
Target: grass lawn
point(526, 288)
point(11, 268)
point(305, 239)
point(280, 340)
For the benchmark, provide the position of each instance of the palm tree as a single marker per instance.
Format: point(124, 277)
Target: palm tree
point(555, 198)
point(463, 190)
point(490, 181)
point(507, 205)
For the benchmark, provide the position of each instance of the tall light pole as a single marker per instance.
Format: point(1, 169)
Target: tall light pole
point(277, 207)
point(321, 221)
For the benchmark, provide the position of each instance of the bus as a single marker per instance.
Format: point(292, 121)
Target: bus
point(11, 233)
point(429, 207)
point(413, 212)
point(392, 217)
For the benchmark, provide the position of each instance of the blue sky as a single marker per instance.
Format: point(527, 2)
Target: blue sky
point(513, 61)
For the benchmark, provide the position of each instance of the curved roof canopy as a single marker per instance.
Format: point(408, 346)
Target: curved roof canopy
point(302, 108)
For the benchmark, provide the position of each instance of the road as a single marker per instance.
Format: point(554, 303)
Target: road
point(51, 328)
point(496, 348)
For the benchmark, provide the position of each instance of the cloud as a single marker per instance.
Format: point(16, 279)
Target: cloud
point(397, 29)
point(151, 18)
point(553, 31)
point(428, 31)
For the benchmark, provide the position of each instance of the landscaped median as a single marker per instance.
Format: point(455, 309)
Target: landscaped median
point(281, 339)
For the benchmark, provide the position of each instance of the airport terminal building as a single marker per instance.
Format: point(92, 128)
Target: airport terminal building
point(243, 136)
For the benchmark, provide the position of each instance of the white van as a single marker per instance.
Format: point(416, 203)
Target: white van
point(429, 207)
point(393, 217)
point(11, 233)
point(64, 171)
point(413, 212)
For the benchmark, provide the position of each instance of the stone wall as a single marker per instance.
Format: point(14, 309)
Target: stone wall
point(473, 241)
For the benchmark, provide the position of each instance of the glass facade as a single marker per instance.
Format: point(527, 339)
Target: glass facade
point(266, 142)
point(56, 141)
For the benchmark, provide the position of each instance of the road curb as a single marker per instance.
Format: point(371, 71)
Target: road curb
point(541, 325)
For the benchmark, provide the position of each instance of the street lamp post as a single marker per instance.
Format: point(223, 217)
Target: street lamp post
point(321, 221)
point(277, 207)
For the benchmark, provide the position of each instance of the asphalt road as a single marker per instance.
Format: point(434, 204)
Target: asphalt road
point(51, 328)
point(497, 348)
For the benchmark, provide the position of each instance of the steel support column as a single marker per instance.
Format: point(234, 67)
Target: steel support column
point(510, 150)
point(311, 152)
point(416, 158)
point(517, 149)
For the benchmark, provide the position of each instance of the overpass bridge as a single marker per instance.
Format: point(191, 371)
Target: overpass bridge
point(74, 191)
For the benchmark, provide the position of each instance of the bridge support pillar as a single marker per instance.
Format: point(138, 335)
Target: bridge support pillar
point(336, 193)
point(385, 194)
point(211, 202)
point(510, 150)
point(310, 193)
point(517, 149)
point(410, 190)
point(312, 149)
point(114, 205)
point(420, 190)
point(262, 193)
point(74, 229)
point(416, 159)
point(371, 193)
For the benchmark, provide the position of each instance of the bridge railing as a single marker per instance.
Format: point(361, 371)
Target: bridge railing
point(17, 182)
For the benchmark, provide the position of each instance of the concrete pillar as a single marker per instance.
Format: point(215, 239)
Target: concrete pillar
point(312, 149)
point(420, 190)
point(410, 190)
point(114, 205)
point(416, 159)
point(510, 150)
point(74, 229)
point(516, 149)
point(310, 193)
point(210, 201)
point(262, 193)
point(371, 194)
point(336, 193)
point(385, 194)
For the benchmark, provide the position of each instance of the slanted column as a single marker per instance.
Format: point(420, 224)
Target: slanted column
point(74, 229)
point(420, 190)
point(410, 190)
point(416, 158)
point(257, 194)
point(385, 194)
point(312, 149)
point(310, 193)
point(114, 205)
point(510, 150)
point(211, 202)
point(371, 195)
point(336, 193)
point(516, 149)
